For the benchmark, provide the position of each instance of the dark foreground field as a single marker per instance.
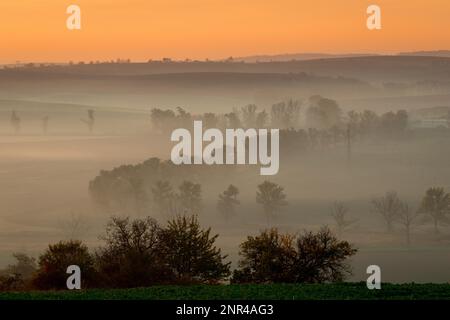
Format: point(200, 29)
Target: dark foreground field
point(248, 292)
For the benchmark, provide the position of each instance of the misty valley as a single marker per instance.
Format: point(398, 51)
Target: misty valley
point(90, 150)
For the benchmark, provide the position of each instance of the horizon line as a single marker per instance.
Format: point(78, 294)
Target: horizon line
point(230, 58)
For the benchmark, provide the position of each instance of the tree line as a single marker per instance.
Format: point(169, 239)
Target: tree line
point(433, 208)
point(140, 252)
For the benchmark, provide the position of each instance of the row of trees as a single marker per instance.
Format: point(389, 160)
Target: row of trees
point(282, 115)
point(16, 121)
point(142, 253)
point(322, 114)
point(149, 187)
point(188, 200)
point(323, 118)
point(145, 187)
point(434, 207)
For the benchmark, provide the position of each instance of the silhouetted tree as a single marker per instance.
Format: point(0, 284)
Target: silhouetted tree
point(190, 252)
point(311, 258)
point(261, 119)
point(286, 114)
point(90, 121)
point(321, 257)
point(162, 120)
point(15, 121)
point(339, 213)
point(190, 197)
point(17, 276)
point(370, 122)
point(267, 257)
point(407, 218)
point(323, 113)
point(228, 201)
point(53, 264)
point(74, 226)
point(394, 123)
point(272, 197)
point(388, 207)
point(132, 256)
point(436, 204)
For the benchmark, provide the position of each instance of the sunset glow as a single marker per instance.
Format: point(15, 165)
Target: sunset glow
point(34, 30)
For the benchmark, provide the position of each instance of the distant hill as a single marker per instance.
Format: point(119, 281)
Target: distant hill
point(406, 81)
point(380, 69)
point(318, 55)
point(298, 57)
point(438, 53)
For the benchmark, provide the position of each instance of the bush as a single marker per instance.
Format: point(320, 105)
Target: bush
point(11, 282)
point(131, 257)
point(17, 276)
point(190, 252)
point(321, 257)
point(268, 257)
point(53, 264)
point(272, 257)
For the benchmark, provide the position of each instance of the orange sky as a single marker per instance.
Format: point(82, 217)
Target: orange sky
point(35, 30)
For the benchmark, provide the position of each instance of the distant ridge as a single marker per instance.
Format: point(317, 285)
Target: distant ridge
point(438, 53)
point(318, 55)
point(300, 56)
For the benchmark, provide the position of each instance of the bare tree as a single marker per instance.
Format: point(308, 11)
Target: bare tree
point(436, 204)
point(15, 121)
point(90, 121)
point(74, 227)
point(339, 212)
point(408, 218)
point(388, 207)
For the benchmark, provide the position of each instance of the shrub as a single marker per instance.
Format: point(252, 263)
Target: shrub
point(271, 257)
point(321, 257)
point(131, 257)
point(18, 276)
point(190, 252)
point(268, 257)
point(53, 264)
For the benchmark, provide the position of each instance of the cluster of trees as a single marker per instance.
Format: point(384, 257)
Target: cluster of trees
point(142, 253)
point(434, 207)
point(282, 115)
point(273, 257)
point(188, 199)
point(321, 114)
point(367, 123)
point(161, 198)
point(269, 195)
point(148, 186)
point(324, 123)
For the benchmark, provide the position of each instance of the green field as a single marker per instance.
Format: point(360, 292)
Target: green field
point(250, 292)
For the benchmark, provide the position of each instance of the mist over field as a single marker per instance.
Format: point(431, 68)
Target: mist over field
point(62, 125)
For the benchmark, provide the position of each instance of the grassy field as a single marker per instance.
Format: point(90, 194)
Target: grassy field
point(247, 292)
